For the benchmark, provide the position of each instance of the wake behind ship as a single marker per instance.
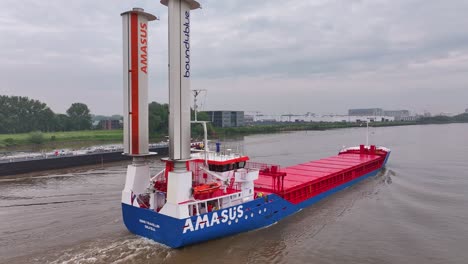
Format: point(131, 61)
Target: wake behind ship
point(212, 193)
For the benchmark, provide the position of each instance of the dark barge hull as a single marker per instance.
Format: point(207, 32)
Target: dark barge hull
point(61, 162)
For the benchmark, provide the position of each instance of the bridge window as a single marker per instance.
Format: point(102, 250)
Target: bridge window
point(223, 168)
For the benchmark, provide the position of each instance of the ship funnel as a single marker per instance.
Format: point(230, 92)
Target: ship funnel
point(179, 77)
point(135, 81)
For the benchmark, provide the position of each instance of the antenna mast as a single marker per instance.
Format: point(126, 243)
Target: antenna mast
point(367, 133)
point(196, 93)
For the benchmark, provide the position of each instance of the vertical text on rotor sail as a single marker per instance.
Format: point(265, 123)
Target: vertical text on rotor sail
point(144, 47)
point(186, 44)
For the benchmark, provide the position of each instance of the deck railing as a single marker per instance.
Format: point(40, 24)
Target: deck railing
point(269, 170)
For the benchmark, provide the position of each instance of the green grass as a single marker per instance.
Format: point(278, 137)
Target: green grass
point(11, 140)
point(87, 135)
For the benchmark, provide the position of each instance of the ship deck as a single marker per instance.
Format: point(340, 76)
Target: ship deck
point(319, 175)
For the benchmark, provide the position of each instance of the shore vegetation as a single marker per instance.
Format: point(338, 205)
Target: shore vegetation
point(25, 121)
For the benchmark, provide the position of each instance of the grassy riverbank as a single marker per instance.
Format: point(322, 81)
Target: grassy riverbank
point(279, 127)
point(38, 138)
point(274, 128)
point(102, 136)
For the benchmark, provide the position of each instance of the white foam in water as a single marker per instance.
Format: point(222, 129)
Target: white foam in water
point(132, 250)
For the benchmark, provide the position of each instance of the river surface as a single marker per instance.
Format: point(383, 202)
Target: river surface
point(415, 211)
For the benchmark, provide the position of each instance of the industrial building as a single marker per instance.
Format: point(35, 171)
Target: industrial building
point(395, 113)
point(399, 115)
point(226, 118)
point(366, 112)
point(267, 119)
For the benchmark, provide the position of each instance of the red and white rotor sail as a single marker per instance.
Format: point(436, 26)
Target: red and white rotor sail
point(135, 67)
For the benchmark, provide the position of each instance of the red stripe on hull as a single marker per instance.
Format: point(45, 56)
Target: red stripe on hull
point(135, 88)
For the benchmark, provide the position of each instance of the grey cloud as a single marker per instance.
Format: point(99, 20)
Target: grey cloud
point(61, 52)
point(330, 36)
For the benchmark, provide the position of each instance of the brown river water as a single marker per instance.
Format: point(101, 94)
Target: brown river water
point(415, 211)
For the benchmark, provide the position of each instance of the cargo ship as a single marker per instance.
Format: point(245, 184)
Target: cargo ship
point(212, 193)
point(233, 195)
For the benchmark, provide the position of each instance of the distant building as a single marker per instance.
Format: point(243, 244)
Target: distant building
point(226, 118)
point(399, 115)
point(466, 110)
point(366, 112)
point(267, 119)
point(396, 113)
point(109, 124)
point(446, 114)
point(408, 118)
point(248, 119)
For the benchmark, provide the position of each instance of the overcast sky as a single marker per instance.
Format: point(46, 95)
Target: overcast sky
point(321, 56)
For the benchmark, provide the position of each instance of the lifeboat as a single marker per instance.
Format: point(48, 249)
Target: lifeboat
point(206, 188)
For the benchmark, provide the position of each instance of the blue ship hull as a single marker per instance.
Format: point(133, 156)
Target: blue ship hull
point(255, 214)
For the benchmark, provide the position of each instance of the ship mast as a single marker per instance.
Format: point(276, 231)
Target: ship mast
point(196, 93)
point(367, 132)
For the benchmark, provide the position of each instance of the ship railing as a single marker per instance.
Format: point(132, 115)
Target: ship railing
point(201, 206)
point(160, 176)
point(269, 170)
point(198, 175)
point(214, 156)
point(159, 182)
point(227, 148)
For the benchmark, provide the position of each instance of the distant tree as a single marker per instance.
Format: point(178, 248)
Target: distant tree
point(3, 123)
point(463, 118)
point(197, 129)
point(158, 118)
point(103, 117)
point(20, 114)
point(116, 117)
point(436, 120)
point(45, 120)
point(80, 117)
point(62, 122)
point(98, 117)
point(203, 116)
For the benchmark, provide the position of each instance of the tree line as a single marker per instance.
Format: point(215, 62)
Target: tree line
point(461, 118)
point(159, 120)
point(20, 114)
